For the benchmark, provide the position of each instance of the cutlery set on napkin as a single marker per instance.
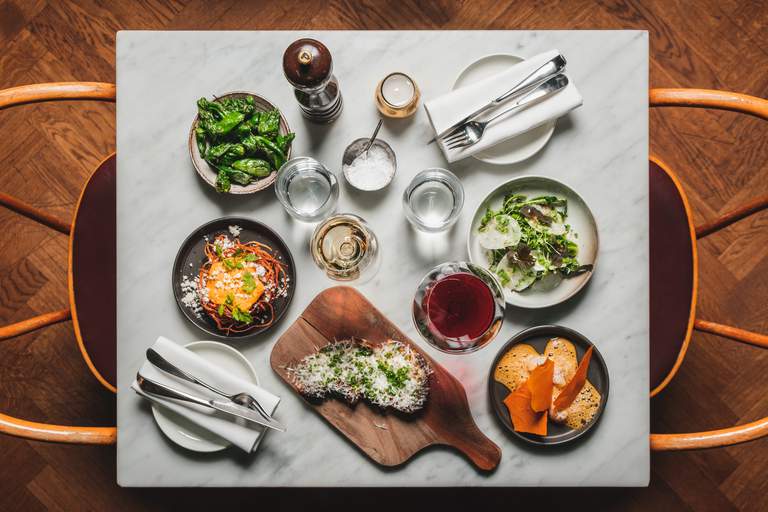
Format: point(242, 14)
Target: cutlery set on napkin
point(205, 394)
point(478, 116)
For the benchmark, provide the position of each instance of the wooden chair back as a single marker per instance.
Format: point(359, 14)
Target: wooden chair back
point(9, 424)
point(758, 107)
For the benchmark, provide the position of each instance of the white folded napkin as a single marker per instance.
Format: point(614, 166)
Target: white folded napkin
point(449, 108)
point(244, 435)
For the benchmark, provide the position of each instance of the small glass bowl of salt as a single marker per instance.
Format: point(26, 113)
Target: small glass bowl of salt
point(369, 170)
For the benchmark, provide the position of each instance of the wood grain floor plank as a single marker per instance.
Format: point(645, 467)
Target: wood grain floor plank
point(91, 26)
point(201, 15)
point(743, 255)
point(69, 47)
point(14, 16)
point(19, 58)
point(140, 14)
point(694, 485)
point(752, 18)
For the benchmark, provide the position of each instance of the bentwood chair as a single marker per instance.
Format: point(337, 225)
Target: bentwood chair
point(91, 267)
point(674, 271)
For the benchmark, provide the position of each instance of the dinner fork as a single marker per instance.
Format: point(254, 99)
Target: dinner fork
point(473, 131)
point(553, 67)
point(243, 399)
point(153, 388)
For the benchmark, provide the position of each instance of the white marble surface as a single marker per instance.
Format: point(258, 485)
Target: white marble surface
point(601, 150)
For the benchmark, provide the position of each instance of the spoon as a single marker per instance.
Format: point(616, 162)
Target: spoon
point(373, 137)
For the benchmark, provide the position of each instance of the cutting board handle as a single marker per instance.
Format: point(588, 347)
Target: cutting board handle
point(483, 452)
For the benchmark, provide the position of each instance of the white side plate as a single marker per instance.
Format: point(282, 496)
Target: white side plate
point(182, 431)
point(579, 217)
point(518, 148)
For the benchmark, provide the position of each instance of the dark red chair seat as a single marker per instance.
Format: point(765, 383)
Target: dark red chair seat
point(93, 271)
point(673, 274)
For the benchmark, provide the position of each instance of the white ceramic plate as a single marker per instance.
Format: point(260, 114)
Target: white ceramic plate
point(182, 431)
point(579, 217)
point(518, 148)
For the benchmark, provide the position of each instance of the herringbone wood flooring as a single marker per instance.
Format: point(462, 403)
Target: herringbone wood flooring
point(48, 150)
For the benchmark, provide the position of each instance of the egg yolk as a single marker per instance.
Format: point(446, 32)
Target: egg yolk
point(226, 282)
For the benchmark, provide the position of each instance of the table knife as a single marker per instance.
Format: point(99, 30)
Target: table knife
point(552, 67)
point(243, 399)
point(226, 406)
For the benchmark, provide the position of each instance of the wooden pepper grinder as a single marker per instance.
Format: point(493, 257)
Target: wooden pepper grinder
point(308, 66)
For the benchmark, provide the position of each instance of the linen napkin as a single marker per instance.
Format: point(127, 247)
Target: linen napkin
point(449, 108)
point(244, 435)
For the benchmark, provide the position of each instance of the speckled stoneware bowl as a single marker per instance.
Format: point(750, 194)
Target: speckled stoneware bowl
point(208, 173)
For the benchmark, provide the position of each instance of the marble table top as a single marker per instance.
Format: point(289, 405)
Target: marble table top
point(601, 150)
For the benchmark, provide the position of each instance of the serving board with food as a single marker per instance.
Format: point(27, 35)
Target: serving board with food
point(409, 282)
point(391, 422)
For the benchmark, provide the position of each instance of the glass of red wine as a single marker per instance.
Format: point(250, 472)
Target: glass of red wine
point(458, 307)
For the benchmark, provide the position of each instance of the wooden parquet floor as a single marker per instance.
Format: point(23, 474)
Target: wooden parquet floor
point(48, 150)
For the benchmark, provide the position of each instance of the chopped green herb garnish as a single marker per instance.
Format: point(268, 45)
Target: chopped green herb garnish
point(241, 316)
point(249, 283)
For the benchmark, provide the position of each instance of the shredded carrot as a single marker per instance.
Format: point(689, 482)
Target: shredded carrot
point(540, 385)
point(275, 278)
point(525, 419)
point(572, 389)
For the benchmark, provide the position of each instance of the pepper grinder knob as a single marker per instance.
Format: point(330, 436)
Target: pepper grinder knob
point(308, 67)
point(305, 58)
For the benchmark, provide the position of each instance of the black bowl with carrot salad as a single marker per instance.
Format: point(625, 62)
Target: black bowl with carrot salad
point(233, 277)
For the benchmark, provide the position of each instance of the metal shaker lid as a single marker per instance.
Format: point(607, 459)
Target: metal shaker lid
point(307, 63)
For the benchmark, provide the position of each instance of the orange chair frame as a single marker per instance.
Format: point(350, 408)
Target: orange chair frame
point(703, 98)
point(8, 424)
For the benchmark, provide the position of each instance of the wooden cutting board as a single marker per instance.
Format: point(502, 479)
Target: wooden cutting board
point(388, 438)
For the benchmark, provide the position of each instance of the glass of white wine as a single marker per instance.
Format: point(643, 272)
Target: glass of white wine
point(345, 248)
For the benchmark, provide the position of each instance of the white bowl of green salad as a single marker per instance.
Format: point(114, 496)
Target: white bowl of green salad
point(538, 237)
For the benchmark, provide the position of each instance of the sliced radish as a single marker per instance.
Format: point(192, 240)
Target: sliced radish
point(548, 281)
point(501, 231)
point(519, 278)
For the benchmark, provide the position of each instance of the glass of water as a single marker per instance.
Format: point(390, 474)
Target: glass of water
point(433, 200)
point(306, 189)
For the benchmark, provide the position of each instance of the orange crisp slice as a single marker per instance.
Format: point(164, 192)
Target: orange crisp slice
point(525, 419)
point(540, 384)
point(572, 389)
